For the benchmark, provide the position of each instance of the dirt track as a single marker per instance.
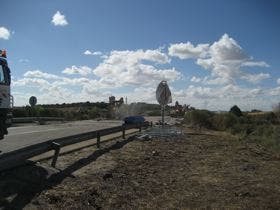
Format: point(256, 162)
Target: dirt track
point(199, 170)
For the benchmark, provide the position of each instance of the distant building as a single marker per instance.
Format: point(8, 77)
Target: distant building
point(114, 102)
point(112, 99)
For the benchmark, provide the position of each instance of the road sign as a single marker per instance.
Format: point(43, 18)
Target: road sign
point(163, 96)
point(32, 101)
point(163, 93)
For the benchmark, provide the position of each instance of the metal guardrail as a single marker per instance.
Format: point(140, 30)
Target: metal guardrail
point(18, 157)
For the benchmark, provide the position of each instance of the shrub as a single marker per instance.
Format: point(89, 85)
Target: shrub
point(199, 117)
point(223, 121)
point(94, 112)
point(236, 111)
point(19, 112)
point(263, 118)
point(238, 128)
point(267, 135)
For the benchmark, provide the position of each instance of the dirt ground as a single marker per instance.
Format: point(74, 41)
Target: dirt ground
point(201, 169)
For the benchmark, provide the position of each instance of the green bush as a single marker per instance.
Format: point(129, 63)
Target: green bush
point(266, 134)
point(19, 112)
point(94, 112)
point(155, 113)
point(262, 128)
point(223, 121)
point(238, 128)
point(199, 118)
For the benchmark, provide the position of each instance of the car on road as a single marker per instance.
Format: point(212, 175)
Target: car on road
point(131, 120)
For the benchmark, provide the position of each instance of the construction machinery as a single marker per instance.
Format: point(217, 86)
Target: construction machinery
point(6, 99)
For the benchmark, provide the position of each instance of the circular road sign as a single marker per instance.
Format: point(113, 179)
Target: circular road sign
point(32, 101)
point(163, 94)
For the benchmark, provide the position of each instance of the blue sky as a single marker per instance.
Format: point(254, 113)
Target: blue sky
point(214, 54)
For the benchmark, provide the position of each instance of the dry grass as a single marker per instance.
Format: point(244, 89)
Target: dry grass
point(203, 169)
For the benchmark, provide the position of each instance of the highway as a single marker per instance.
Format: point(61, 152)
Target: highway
point(27, 135)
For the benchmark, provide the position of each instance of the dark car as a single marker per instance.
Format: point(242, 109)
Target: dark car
point(134, 120)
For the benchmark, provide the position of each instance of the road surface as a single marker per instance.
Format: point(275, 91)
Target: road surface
point(27, 135)
point(23, 136)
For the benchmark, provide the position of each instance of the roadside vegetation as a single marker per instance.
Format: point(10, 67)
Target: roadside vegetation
point(77, 111)
point(88, 110)
point(261, 127)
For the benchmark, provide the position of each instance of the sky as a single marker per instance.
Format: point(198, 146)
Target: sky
point(213, 54)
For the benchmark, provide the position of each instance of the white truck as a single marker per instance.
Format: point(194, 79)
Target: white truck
point(6, 99)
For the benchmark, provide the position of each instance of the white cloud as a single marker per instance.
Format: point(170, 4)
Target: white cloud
point(152, 55)
point(219, 81)
point(141, 70)
point(275, 92)
point(126, 68)
point(255, 63)
point(143, 94)
point(222, 98)
point(224, 58)
point(255, 78)
point(88, 52)
point(4, 33)
point(196, 79)
point(82, 70)
point(59, 20)
point(59, 90)
point(187, 50)
point(121, 68)
point(50, 88)
point(29, 82)
point(39, 74)
point(226, 50)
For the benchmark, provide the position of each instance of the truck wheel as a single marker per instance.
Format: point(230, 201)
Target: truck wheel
point(5, 131)
point(2, 129)
point(1, 133)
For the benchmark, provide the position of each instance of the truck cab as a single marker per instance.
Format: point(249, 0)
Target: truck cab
point(6, 99)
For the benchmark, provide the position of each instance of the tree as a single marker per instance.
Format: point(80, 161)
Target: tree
point(93, 112)
point(236, 111)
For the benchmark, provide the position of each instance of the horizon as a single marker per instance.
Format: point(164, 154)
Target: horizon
point(213, 54)
point(146, 103)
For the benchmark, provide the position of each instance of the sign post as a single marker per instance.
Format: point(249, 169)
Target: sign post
point(32, 102)
point(163, 96)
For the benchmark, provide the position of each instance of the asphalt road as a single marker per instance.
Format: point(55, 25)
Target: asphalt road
point(23, 136)
point(30, 134)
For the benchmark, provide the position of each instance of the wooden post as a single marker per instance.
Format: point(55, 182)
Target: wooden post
point(56, 148)
point(151, 123)
point(123, 131)
point(98, 140)
point(140, 127)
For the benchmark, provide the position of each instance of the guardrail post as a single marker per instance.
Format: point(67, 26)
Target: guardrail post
point(123, 131)
point(140, 128)
point(98, 140)
point(56, 148)
point(151, 123)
